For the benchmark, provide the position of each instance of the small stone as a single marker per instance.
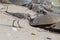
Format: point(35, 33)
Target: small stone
point(33, 33)
point(49, 38)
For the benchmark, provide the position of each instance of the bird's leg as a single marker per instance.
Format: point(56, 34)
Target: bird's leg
point(13, 23)
point(18, 24)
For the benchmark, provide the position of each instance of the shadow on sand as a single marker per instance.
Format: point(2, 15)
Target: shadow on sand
point(53, 30)
point(43, 27)
point(6, 25)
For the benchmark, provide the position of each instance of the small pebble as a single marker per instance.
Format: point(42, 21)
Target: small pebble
point(49, 38)
point(33, 34)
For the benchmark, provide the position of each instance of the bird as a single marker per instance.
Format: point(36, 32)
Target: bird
point(49, 19)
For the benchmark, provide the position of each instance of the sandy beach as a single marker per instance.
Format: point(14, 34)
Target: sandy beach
point(27, 32)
